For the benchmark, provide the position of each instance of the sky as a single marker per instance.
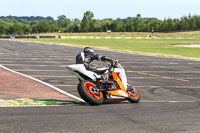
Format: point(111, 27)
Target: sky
point(101, 8)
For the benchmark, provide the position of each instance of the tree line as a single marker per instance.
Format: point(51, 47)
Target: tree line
point(12, 25)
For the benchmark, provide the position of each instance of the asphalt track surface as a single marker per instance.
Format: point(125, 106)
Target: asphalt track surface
point(169, 89)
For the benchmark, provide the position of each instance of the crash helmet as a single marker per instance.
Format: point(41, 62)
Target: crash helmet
point(88, 50)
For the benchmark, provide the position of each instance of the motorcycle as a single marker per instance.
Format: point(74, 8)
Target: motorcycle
point(94, 91)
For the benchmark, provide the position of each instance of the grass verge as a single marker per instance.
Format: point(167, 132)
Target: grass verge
point(142, 46)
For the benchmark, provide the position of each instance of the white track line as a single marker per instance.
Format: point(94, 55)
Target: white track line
point(44, 83)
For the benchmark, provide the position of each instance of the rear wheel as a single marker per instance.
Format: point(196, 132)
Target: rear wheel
point(134, 96)
point(89, 93)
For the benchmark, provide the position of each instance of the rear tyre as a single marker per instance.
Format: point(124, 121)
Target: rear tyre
point(134, 96)
point(88, 93)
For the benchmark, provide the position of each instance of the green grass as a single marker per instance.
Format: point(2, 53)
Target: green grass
point(187, 34)
point(155, 47)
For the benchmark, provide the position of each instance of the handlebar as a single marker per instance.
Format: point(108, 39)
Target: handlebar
point(111, 66)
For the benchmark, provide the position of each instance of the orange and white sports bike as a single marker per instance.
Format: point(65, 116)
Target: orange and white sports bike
point(95, 91)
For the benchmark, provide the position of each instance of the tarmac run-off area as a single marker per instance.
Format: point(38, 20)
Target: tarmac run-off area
point(169, 89)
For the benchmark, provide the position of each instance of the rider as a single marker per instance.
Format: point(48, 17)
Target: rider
point(88, 55)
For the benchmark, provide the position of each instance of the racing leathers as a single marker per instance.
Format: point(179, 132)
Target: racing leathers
point(87, 58)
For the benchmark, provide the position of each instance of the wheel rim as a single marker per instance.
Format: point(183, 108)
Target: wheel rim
point(133, 93)
point(89, 88)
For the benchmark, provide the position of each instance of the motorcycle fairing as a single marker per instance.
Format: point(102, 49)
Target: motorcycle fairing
point(83, 74)
point(121, 71)
point(122, 90)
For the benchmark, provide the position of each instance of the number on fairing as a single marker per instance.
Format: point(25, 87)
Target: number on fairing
point(122, 93)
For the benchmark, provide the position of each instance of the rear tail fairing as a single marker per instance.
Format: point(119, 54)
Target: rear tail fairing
point(83, 74)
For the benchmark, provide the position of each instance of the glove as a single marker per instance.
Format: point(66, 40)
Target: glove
point(115, 62)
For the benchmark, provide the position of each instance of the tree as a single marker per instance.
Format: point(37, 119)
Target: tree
point(156, 24)
point(27, 29)
point(130, 27)
point(41, 27)
point(77, 27)
point(17, 29)
point(3, 30)
point(26, 25)
point(118, 27)
point(139, 23)
point(62, 17)
point(64, 23)
point(87, 21)
point(184, 23)
point(171, 25)
point(193, 21)
point(53, 28)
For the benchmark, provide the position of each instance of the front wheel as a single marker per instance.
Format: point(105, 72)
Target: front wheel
point(89, 93)
point(134, 96)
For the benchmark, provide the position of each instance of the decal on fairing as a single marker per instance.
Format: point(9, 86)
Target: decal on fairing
point(121, 92)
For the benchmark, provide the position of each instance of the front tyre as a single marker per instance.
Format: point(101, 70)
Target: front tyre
point(88, 93)
point(134, 96)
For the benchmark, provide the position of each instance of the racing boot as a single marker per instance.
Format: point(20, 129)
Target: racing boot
point(104, 79)
point(129, 87)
